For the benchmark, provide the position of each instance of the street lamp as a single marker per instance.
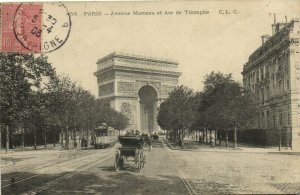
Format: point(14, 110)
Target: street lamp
point(279, 138)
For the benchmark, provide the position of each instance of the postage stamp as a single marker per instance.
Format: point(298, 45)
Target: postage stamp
point(9, 40)
point(27, 26)
point(34, 27)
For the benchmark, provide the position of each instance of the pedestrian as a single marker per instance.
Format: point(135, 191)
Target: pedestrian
point(200, 139)
point(212, 140)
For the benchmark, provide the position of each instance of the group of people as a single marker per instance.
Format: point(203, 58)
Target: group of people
point(212, 139)
point(133, 132)
point(145, 137)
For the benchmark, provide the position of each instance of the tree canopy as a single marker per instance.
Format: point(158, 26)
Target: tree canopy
point(223, 104)
point(35, 97)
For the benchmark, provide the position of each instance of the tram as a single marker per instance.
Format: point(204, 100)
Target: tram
point(104, 136)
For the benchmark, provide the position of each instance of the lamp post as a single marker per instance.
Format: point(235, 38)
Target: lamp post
point(289, 131)
point(279, 138)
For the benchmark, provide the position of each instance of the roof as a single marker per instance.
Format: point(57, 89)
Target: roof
point(136, 57)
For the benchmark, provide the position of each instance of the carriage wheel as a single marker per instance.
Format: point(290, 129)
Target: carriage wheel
point(141, 161)
point(121, 162)
point(138, 160)
point(116, 163)
point(144, 161)
point(139, 164)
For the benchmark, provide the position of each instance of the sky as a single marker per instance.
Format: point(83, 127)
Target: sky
point(199, 43)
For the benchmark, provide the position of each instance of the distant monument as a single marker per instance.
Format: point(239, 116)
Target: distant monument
point(135, 86)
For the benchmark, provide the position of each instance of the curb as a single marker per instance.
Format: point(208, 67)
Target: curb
point(169, 145)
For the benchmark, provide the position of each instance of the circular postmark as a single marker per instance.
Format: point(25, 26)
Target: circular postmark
point(42, 27)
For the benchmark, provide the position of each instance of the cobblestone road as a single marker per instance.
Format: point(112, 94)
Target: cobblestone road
point(214, 171)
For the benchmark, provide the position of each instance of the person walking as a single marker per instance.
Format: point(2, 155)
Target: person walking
point(212, 138)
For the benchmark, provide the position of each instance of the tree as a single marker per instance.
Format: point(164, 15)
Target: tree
point(18, 74)
point(226, 104)
point(177, 112)
point(73, 109)
point(62, 107)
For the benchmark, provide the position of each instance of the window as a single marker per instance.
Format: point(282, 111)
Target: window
point(267, 92)
point(267, 71)
point(262, 73)
point(280, 86)
point(279, 63)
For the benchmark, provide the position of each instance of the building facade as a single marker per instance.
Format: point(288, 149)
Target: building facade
point(272, 73)
point(135, 86)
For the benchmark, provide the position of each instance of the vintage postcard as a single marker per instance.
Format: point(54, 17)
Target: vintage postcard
point(150, 97)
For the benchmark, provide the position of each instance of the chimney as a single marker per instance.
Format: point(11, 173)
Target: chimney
point(264, 38)
point(274, 25)
point(280, 26)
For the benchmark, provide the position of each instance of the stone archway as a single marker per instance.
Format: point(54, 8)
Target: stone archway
point(135, 86)
point(147, 96)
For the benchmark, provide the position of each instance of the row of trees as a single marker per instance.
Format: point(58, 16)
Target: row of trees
point(223, 104)
point(35, 100)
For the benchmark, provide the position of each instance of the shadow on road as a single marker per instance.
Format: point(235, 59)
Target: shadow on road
point(10, 182)
point(158, 177)
point(122, 182)
point(119, 183)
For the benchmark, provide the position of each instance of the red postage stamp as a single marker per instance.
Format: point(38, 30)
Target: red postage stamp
point(34, 27)
point(21, 27)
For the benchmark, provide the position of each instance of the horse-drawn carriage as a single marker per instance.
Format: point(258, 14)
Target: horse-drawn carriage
point(147, 143)
point(131, 147)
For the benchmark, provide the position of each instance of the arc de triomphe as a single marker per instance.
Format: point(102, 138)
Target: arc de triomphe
point(135, 86)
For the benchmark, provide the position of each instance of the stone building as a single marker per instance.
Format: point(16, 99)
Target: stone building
point(135, 86)
point(273, 74)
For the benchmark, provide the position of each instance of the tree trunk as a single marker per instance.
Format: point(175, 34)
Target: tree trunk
point(23, 142)
point(7, 138)
point(74, 138)
point(206, 138)
point(203, 138)
point(182, 138)
point(54, 130)
point(210, 138)
point(199, 137)
point(216, 136)
point(87, 138)
point(61, 137)
point(45, 136)
point(279, 139)
point(67, 139)
point(235, 137)
point(226, 138)
point(1, 136)
point(34, 137)
point(34, 130)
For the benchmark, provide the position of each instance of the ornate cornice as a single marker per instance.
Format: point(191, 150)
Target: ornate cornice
point(136, 57)
point(141, 70)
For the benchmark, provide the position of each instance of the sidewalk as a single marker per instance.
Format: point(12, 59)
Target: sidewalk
point(190, 145)
point(40, 148)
